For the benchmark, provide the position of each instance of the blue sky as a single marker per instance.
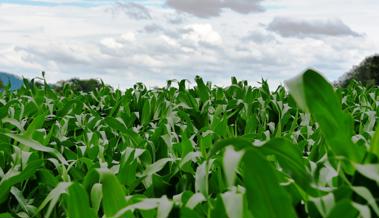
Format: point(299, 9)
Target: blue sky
point(52, 3)
point(151, 41)
point(79, 3)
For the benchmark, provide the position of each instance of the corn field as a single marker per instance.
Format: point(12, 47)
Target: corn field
point(308, 150)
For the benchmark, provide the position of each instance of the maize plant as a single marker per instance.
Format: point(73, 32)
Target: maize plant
point(304, 150)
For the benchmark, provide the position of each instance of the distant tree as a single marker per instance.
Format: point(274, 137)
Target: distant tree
point(367, 72)
point(80, 85)
point(1, 84)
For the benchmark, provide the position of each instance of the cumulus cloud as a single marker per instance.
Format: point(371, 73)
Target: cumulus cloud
point(202, 33)
point(212, 8)
point(291, 27)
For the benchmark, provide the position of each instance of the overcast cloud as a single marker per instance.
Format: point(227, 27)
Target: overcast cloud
point(210, 8)
point(295, 27)
point(124, 42)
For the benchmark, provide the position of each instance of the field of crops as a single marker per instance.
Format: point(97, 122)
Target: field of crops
point(207, 151)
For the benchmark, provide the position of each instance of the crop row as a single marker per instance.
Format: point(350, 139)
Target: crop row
point(207, 151)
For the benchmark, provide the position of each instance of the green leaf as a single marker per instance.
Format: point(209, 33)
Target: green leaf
point(266, 198)
point(36, 146)
point(201, 177)
point(6, 215)
point(78, 202)
point(13, 176)
point(233, 203)
point(202, 89)
point(146, 112)
point(162, 204)
point(14, 122)
point(314, 94)
point(165, 207)
point(154, 168)
point(370, 171)
point(35, 124)
point(364, 210)
point(374, 148)
point(113, 193)
point(116, 123)
point(96, 196)
point(324, 204)
point(238, 143)
point(366, 194)
point(53, 197)
point(289, 159)
point(157, 166)
point(21, 200)
point(297, 91)
point(343, 208)
point(195, 200)
point(231, 162)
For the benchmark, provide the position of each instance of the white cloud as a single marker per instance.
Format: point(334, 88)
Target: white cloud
point(128, 37)
point(202, 33)
point(119, 41)
point(71, 41)
point(111, 43)
point(170, 41)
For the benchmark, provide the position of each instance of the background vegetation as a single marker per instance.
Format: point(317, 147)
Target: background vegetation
point(77, 85)
point(367, 72)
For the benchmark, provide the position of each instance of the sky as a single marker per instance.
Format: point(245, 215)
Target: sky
point(151, 41)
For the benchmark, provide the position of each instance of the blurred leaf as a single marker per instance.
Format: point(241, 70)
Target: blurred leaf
point(343, 208)
point(266, 198)
point(233, 203)
point(366, 194)
point(231, 162)
point(370, 171)
point(314, 94)
point(201, 178)
point(6, 215)
point(290, 160)
point(194, 200)
point(374, 148)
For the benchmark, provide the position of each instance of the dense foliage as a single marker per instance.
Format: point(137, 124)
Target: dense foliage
point(366, 72)
point(77, 85)
point(206, 151)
